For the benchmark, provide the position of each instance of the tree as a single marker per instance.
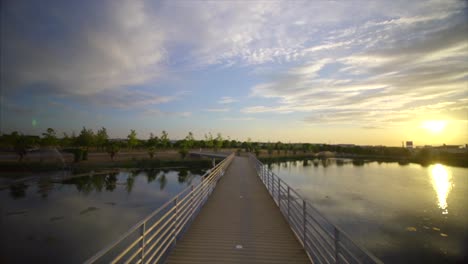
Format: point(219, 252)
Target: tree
point(112, 149)
point(278, 147)
point(132, 140)
point(152, 141)
point(257, 152)
point(151, 151)
point(183, 151)
point(49, 138)
point(189, 140)
point(270, 149)
point(217, 142)
point(20, 144)
point(101, 138)
point(164, 140)
point(209, 142)
point(85, 138)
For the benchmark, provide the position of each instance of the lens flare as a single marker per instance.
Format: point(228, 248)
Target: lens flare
point(442, 184)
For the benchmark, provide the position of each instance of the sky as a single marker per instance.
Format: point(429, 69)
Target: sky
point(358, 72)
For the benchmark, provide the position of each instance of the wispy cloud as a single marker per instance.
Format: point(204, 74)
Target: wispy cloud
point(216, 110)
point(381, 79)
point(238, 118)
point(227, 100)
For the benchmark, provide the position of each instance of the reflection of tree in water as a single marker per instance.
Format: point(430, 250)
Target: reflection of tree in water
point(111, 181)
point(130, 183)
point(151, 175)
point(44, 186)
point(305, 163)
point(316, 163)
point(182, 175)
point(357, 162)
point(162, 181)
point(325, 162)
point(98, 182)
point(18, 190)
point(88, 184)
point(294, 163)
point(339, 162)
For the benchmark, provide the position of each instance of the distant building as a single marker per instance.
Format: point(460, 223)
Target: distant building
point(409, 144)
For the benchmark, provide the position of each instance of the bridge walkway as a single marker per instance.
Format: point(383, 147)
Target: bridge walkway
point(240, 223)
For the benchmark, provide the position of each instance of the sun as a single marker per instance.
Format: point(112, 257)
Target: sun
point(434, 126)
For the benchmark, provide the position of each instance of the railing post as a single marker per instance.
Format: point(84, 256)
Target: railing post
point(176, 220)
point(304, 209)
point(337, 244)
point(289, 198)
point(143, 231)
point(279, 194)
point(192, 207)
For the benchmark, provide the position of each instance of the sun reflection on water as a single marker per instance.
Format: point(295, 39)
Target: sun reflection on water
point(442, 184)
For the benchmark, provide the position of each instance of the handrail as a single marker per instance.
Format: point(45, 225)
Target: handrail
point(168, 223)
point(313, 230)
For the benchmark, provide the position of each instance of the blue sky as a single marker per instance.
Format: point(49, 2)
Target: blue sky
point(364, 72)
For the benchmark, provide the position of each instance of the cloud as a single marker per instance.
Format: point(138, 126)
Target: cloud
point(153, 112)
point(238, 118)
point(398, 70)
point(80, 48)
point(227, 100)
point(216, 110)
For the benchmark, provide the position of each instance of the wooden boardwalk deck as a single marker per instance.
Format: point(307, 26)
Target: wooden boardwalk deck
point(240, 223)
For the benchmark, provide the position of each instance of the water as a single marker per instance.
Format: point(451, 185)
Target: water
point(401, 213)
point(44, 222)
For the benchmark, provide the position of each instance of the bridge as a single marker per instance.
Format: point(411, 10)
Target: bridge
point(241, 212)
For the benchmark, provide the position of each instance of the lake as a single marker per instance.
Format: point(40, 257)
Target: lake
point(402, 213)
point(45, 222)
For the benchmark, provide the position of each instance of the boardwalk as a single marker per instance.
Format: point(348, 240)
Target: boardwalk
point(240, 223)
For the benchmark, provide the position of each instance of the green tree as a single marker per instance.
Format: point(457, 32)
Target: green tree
point(86, 138)
point(183, 151)
point(112, 149)
point(101, 138)
point(164, 140)
point(257, 152)
point(217, 142)
point(151, 151)
point(270, 149)
point(49, 138)
point(209, 141)
point(20, 145)
point(132, 139)
point(190, 140)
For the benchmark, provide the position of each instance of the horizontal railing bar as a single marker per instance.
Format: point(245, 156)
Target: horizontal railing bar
point(327, 240)
point(161, 219)
point(168, 233)
point(329, 251)
point(134, 255)
point(346, 251)
point(162, 227)
point(316, 249)
point(126, 250)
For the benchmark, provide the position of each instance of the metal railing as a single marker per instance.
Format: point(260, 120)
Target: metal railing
point(151, 239)
point(323, 241)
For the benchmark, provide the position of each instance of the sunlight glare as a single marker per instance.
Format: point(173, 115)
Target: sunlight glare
point(442, 184)
point(435, 126)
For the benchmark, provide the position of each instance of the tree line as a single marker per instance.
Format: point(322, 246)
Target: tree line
point(88, 140)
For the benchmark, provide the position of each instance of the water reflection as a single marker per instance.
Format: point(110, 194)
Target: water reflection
point(442, 184)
